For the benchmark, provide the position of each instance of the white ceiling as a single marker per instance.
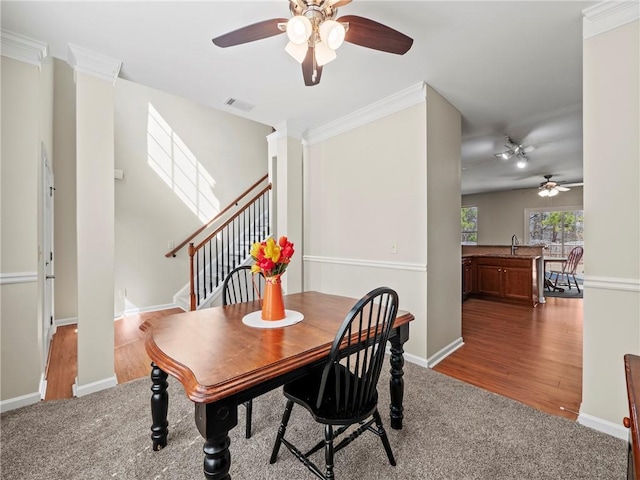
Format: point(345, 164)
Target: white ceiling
point(510, 67)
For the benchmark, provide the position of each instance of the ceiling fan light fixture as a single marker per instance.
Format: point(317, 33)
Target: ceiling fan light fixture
point(522, 162)
point(299, 29)
point(332, 34)
point(324, 54)
point(553, 192)
point(543, 193)
point(297, 51)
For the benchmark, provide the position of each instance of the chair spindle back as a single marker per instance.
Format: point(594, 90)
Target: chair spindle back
point(242, 286)
point(357, 353)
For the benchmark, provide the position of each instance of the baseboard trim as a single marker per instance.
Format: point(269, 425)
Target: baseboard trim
point(93, 387)
point(61, 322)
point(416, 360)
point(19, 402)
point(604, 426)
point(43, 387)
point(436, 358)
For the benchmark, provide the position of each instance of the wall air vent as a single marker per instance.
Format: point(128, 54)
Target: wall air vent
point(239, 104)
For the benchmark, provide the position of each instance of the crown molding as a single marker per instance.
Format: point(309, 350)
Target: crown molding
point(92, 63)
point(394, 103)
point(284, 130)
point(608, 15)
point(280, 131)
point(23, 49)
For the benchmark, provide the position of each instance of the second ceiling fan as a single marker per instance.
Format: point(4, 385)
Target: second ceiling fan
point(315, 33)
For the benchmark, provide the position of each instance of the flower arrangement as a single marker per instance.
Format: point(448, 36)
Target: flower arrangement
point(271, 258)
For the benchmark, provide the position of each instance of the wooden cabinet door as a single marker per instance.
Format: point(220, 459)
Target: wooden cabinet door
point(490, 280)
point(516, 283)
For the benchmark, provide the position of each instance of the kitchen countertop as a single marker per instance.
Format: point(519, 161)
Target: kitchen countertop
point(500, 255)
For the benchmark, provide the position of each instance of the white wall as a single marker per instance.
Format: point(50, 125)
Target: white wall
point(64, 170)
point(95, 232)
point(287, 199)
point(26, 100)
point(365, 190)
point(501, 214)
point(444, 320)
point(227, 151)
point(611, 75)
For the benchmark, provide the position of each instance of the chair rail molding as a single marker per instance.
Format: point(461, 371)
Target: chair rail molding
point(608, 15)
point(414, 267)
point(612, 283)
point(18, 277)
point(23, 49)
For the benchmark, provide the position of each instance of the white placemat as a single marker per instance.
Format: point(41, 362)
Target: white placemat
point(254, 319)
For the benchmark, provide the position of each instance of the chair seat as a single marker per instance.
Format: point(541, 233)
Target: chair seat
point(343, 393)
point(304, 391)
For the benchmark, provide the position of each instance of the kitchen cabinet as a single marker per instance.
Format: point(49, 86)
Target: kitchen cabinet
point(507, 278)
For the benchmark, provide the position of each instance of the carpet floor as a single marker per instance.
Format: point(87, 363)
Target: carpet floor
point(452, 430)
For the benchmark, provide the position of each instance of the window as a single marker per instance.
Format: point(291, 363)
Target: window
point(558, 230)
point(469, 225)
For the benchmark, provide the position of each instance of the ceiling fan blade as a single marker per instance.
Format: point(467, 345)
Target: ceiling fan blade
point(560, 188)
point(311, 72)
point(370, 34)
point(250, 33)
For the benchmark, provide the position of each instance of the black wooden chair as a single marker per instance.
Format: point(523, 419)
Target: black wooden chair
point(239, 287)
point(344, 392)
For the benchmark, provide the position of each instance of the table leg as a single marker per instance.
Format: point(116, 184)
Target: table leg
point(214, 420)
point(396, 383)
point(159, 407)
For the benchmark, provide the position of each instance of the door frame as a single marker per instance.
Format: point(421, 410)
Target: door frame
point(48, 276)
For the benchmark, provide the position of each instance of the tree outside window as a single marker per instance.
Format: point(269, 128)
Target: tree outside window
point(558, 230)
point(469, 225)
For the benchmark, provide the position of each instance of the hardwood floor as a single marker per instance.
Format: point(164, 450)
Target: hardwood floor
point(532, 355)
point(130, 358)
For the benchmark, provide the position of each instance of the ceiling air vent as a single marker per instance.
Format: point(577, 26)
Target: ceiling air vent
point(239, 104)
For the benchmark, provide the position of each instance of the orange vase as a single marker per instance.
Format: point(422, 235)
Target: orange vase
point(272, 301)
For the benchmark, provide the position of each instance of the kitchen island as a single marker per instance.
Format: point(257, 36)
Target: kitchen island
point(493, 272)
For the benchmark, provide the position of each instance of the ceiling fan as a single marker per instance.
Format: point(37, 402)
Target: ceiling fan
point(550, 189)
point(516, 150)
point(315, 33)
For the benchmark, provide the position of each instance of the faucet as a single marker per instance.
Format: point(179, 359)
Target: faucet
point(514, 244)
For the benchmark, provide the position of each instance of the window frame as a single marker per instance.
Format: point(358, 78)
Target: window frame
point(462, 232)
point(564, 208)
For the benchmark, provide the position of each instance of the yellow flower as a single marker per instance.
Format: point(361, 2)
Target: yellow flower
point(255, 268)
point(272, 250)
point(255, 250)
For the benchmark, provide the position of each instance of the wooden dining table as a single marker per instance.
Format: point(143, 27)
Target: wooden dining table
point(221, 362)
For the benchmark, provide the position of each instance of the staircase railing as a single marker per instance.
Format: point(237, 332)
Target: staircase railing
point(172, 253)
point(227, 247)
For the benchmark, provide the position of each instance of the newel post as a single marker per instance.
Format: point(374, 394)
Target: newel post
point(192, 288)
